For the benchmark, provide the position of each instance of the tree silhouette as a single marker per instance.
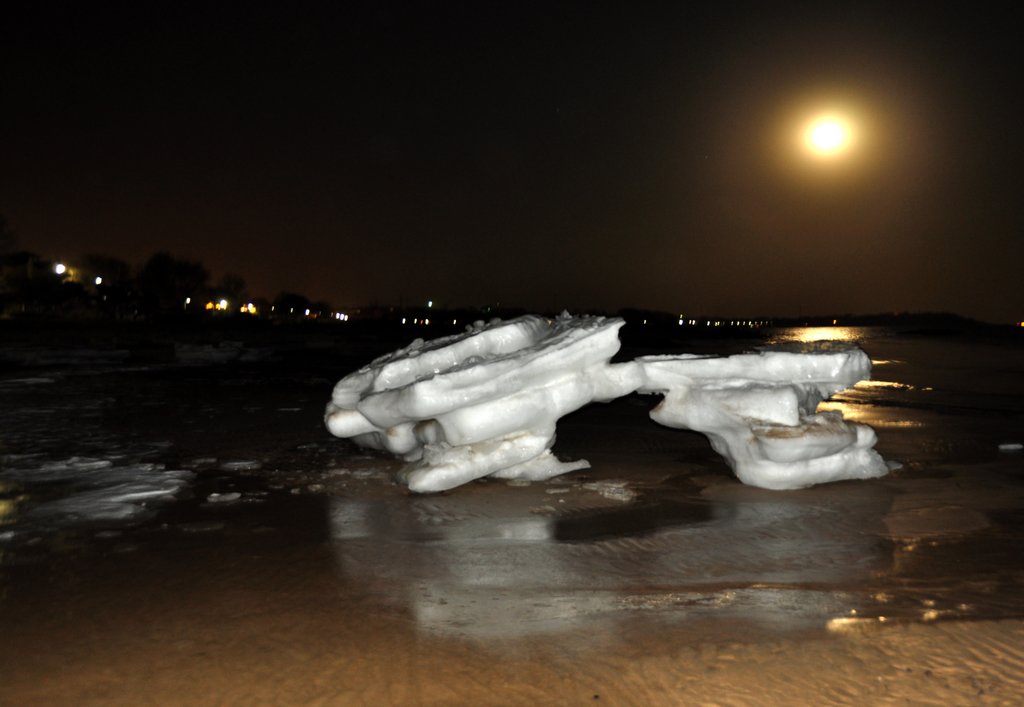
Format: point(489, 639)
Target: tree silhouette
point(232, 287)
point(166, 281)
point(114, 271)
point(290, 304)
point(115, 295)
point(8, 238)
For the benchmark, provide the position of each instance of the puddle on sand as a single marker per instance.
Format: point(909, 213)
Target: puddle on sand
point(635, 520)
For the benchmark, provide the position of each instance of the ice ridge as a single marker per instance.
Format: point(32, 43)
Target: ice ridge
point(486, 403)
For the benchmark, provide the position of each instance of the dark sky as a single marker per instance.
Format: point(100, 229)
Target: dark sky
point(580, 155)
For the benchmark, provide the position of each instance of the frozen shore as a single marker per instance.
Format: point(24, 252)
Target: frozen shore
point(288, 567)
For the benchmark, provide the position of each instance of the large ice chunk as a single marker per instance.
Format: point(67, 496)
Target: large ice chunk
point(759, 411)
point(484, 402)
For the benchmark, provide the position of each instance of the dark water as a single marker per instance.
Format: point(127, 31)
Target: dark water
point(932, 397)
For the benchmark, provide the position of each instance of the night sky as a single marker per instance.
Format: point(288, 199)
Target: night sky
point(547, 155)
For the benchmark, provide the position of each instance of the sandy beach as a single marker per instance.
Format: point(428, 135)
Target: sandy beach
point(288, 568)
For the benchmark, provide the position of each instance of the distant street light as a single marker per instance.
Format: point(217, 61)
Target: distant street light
point(59, 268)
point(99, 280)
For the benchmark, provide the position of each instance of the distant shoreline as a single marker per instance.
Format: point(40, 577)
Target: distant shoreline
point(641, 329)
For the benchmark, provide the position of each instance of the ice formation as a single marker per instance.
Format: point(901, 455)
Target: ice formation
point(485, 402)
point(759, 411)
point(92, 490)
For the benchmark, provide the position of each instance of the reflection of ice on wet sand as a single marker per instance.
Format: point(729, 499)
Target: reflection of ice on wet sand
point(482, 566)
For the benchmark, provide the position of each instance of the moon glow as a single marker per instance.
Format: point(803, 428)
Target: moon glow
point(827, 136)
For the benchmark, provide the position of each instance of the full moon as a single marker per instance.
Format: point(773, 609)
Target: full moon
point(827, 136)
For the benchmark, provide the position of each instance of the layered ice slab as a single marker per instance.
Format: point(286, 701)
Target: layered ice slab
point(485, 402)
point(759, 411)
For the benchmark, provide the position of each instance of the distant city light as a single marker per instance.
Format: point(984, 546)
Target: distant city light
point(223, 304)
point(430, 303)
point(307, 312)
point(403, 320)
point(188, 300)
point(59, 268)
point(99, 280)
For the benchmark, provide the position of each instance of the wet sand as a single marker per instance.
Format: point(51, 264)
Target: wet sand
point(653, 578)
point(263, 603)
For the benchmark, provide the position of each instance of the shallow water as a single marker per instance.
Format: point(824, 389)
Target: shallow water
point(244, 554)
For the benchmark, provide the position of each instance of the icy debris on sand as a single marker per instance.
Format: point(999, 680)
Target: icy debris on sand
point(612, 490)
point(759, 412)
point(230, 497)
point(90, 490)
point(12, 382)
point(482, 403)
point(241, 465)
point(367, 474)
point(200, 526)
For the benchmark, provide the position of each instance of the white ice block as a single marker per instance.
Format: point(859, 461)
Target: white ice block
point(759, 411)
point(485, 402)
